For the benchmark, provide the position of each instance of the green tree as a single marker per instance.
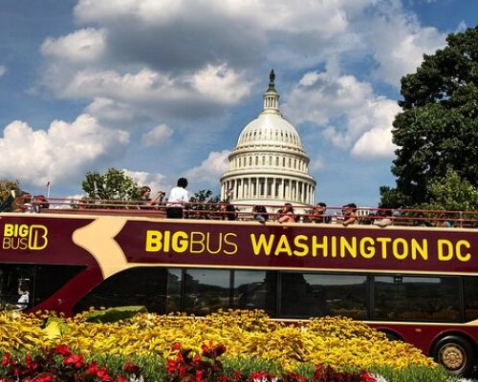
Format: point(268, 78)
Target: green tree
point(438, 127)
point(112, 185)
point(452, 193)
point(206, 202)
point(6, 197)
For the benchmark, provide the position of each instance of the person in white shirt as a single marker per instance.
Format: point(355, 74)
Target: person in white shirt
point(24, 299)
point(178, 196)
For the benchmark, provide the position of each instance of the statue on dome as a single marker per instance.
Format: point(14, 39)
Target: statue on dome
point(272, 77)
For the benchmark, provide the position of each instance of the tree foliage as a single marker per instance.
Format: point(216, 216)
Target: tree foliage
point(438, 127)
point(112, 185)
point(6, 186)
point(6, 197)
point(452, 193)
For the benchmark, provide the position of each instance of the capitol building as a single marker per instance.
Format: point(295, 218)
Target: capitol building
point(269, 166)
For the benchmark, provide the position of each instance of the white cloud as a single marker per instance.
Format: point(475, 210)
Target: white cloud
point(150, 93)
point(81, 46)
point(3, 70)
point(157, 181)
point(211, 169)
point(61, 154)
point(398, 42)
point(157, 136)
point(347, 110)
point(221, 83)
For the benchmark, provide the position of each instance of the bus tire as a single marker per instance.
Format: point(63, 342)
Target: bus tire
point(455, 354)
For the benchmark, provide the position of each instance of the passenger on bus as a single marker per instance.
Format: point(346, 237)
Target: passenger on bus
point(318, 214)
point(443, 222)
point(40, 202)
point(383, 218)
point(259, 213)
point(349, 214)
point(24, 299)
point(227, 211)
point(287, 214)
point(144, 199)
point(23, 203)
point(178, 196)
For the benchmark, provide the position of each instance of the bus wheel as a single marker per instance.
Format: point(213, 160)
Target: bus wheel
point(455, 354)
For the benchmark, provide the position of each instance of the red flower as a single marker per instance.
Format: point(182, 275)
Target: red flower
point(122, 379)
point(76, 360)
point(220, 349)
point(29, 363)
point(92, 369)
point(63, 350)
point(130, 368)
point(366, 377)
point(197, 358)
point(5, 359)
point(199, 374)
point(176, 346)
point(237, 374)
point(171, 366)
point(43, 378)
point(102, 374)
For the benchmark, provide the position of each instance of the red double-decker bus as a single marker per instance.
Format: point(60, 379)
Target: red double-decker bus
point(417, 284)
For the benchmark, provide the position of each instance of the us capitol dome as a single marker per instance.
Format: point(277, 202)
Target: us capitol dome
point(269, 166)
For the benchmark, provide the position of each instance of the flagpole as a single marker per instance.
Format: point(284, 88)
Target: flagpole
point(48, 187)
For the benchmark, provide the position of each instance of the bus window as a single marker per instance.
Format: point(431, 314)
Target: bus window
point(311, 295)
point(206, 290)
point(15, 286)
point(50, 278)
point(145, 286)
point(417, 298)
point(24, 286)
point(255, 290)
point(173, 294)
point(471, 298)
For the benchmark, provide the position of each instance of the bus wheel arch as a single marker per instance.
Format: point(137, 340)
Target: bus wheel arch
point(391, 335)
point(456, 353)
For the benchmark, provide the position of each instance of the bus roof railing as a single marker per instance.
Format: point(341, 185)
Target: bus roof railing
point(244, 212)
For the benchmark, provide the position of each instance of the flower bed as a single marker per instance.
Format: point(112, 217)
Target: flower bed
point(253, 342)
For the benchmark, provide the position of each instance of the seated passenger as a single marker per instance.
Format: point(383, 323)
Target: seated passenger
point(383, 218)
point(443, 222)
point(259, 213)
point(23, 203)
point(40, 202)
point(287, 214)
point(318, 214)
point(144, 199)
point(349, 214)
point(227, 211)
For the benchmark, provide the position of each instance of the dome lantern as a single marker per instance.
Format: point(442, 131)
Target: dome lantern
point(271, 97)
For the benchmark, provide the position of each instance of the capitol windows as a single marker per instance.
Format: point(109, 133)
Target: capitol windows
point(277, 161)
point(263, 161)
point(283, 162)
point(257, 161)
point(250, 161)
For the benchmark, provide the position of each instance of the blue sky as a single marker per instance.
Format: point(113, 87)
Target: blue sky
point(163, 88)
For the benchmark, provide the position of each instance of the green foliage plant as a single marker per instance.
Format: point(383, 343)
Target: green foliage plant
point(114, 184)
point(437, 129)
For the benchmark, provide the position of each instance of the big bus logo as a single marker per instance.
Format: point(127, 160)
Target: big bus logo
point(25, 236)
